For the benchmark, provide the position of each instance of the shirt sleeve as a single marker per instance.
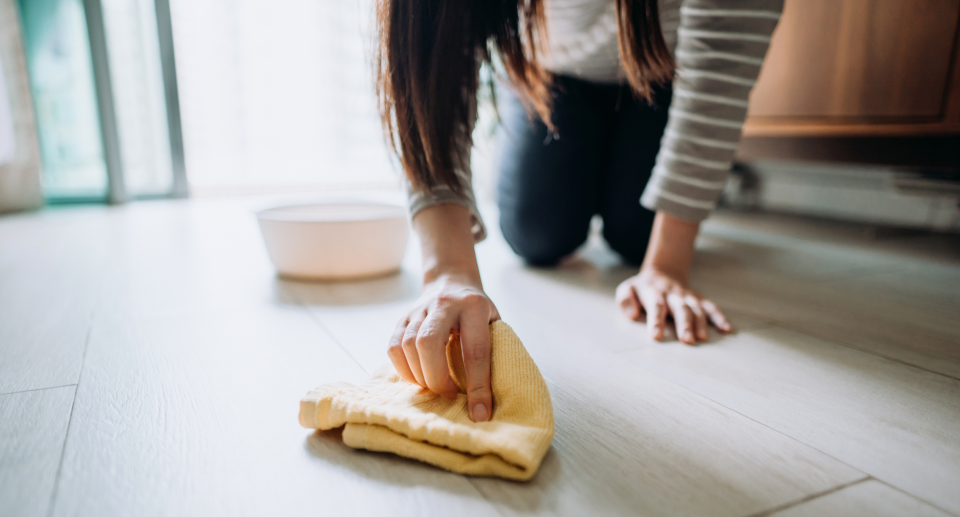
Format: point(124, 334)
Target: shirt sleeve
point(442, 194)
point(720, 47)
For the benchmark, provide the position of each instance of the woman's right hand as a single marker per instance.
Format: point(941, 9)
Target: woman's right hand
point(450, 303)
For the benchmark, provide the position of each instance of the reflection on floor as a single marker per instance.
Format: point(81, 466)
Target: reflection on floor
point(152, 363)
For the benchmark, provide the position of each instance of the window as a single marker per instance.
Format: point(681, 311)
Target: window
point(274, 96)
point(278, 95)
point(61, 77)
point(137, 79)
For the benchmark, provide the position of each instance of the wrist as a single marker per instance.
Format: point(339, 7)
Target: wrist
point(671, 246)
point(672, 271)
point(447, 244)
point(451, 274)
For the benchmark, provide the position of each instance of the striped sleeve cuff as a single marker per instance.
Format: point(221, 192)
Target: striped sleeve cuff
point(720, 47)
point(440, 195)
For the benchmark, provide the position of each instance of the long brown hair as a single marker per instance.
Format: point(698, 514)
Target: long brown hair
point(428, 60)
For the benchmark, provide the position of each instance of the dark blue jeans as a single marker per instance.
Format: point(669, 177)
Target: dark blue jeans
point(599, 163)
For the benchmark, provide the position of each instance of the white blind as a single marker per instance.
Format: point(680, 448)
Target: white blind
point(277, 95)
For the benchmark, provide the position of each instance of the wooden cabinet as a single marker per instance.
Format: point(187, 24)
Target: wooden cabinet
point(860, 67)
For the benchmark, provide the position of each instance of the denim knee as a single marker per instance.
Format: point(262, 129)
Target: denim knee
point(630, 243)
point(540, 241)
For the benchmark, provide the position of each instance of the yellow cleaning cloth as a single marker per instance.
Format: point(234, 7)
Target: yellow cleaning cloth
point(389, 414)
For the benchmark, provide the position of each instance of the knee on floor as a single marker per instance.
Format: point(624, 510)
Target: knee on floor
point(540, 241)
point(630, 245)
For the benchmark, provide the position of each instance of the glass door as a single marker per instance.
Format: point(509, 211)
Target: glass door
point(61, 77)
point(101, 90)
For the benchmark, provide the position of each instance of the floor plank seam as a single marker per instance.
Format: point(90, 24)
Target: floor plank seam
point(492, 504)
point(36, 389)
point(810, 497)
point(66, 435)
point(324, 329)
point(918, 498)
point(851, 346)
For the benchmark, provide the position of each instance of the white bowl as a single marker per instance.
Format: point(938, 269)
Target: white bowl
point(335, 240)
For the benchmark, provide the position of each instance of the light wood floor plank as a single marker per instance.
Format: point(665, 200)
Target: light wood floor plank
point(841, 312)
point(184, 258)
point(51, 270)
point(199, 354)
point(33, 425)
point(198, 416)
point(903, 244)
point(800, 259)
point(625, 444)
point(870, 498)
point(361, 314)
point(895, 422)
point(631, 443)
point(927, 287)
point(818, 278)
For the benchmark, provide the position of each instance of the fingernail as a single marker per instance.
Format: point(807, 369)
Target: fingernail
point(480, 413)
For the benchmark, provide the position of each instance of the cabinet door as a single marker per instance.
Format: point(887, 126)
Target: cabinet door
point(858, 59)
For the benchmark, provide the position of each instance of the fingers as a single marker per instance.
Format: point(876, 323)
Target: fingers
point(717, 317)
point(409, 346)
point(475, 343)
point(658, 294)
point(700, 328)
point(395, 351)
point(432, 349)
point(682, 318)
point(628, 301)
point(656, 307)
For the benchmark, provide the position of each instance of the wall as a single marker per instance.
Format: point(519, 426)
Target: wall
point(19, 165)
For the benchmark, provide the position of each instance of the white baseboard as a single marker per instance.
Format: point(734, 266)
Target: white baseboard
point(868, 194)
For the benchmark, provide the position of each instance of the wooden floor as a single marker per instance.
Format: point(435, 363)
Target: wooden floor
point(151, 363)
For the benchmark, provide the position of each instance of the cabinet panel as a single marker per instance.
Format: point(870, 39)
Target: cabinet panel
point(857, 59)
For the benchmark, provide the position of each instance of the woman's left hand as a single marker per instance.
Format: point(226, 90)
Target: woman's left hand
point(652, 295)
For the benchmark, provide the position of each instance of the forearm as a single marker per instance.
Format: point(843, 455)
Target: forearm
point(446, 241)
point(670, 249)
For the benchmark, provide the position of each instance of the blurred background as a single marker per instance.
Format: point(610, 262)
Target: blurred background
point(856, 115)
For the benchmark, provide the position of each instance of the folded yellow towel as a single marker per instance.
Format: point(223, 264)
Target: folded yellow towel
point(388, 414)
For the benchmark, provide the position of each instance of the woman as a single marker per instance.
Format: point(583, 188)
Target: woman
point(603, 137)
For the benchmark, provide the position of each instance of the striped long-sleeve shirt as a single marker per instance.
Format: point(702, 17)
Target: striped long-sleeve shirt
point(719, 46)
